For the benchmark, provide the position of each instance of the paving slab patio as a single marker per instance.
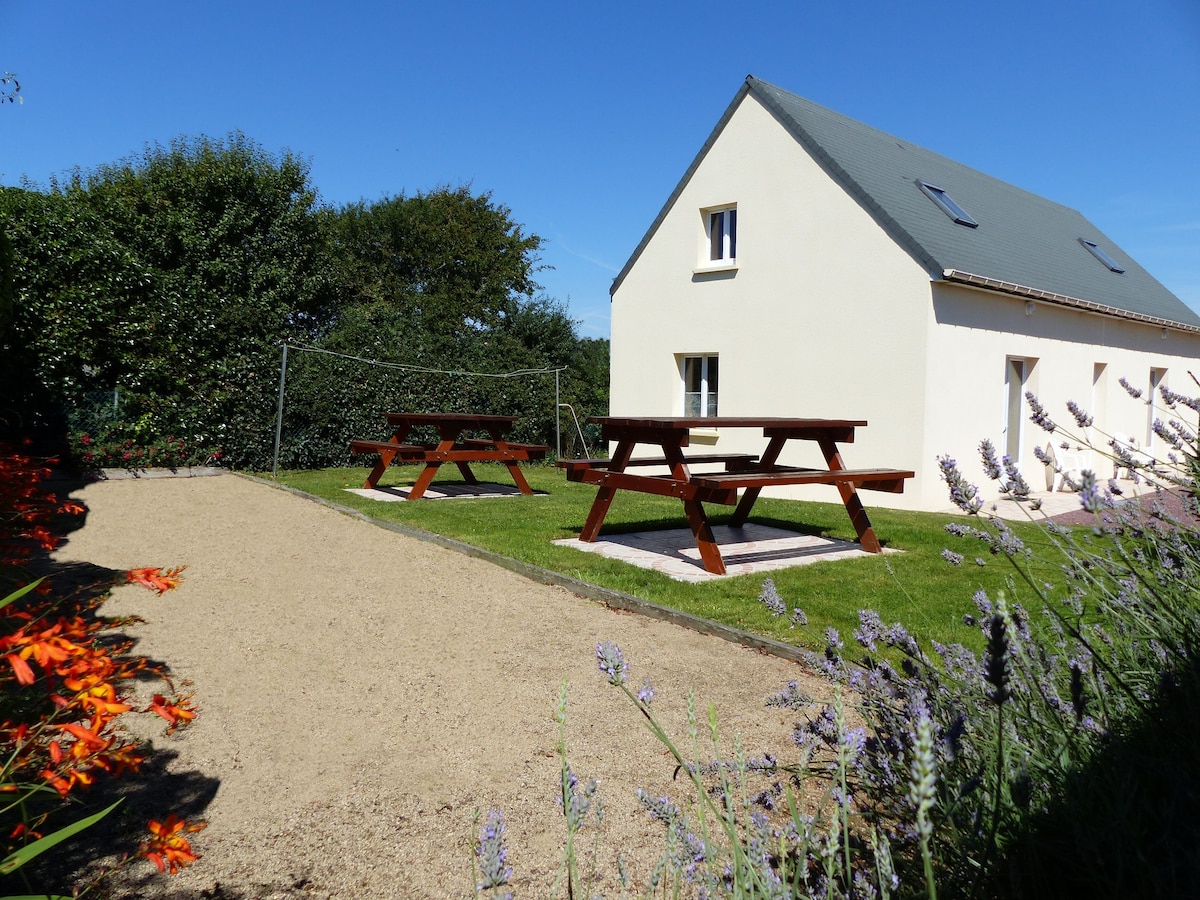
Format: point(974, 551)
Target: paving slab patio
point(392, 494)
point(749, 550)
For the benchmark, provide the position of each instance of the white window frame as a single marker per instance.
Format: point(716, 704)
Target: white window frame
point(718, 249)
point(709, 392)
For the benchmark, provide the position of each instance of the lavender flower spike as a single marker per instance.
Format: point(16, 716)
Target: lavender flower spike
point(770, 596)
point(491, 854)
point(963, 494)
point(1038, 414)
point(1089, 492)
point(646, 694)
point(1082, 419)
point(612, 662)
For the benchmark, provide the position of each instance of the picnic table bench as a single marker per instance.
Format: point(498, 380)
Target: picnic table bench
point(450, 447)
point(744, 472)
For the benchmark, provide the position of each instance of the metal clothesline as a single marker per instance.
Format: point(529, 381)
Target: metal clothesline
point(519, 373)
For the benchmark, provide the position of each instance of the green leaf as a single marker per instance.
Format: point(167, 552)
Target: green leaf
point(20, 592)
point(15, 860)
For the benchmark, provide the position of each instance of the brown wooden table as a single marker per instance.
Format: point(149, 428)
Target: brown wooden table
point(743, 471)
point(450, 447)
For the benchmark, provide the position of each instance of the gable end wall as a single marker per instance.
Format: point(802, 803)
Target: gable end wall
point(824, 316)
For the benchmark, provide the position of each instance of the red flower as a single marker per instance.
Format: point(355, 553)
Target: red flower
point(155, 579)
point(178, 713)
point(167, 848)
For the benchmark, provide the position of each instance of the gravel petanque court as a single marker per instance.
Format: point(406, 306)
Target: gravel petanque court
point(362, 693)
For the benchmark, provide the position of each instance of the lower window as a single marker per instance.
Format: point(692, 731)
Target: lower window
point(700, 385)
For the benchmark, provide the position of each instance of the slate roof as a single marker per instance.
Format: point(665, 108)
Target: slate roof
point(1024, 244)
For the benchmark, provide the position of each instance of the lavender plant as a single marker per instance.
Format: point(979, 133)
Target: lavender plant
point(576, 802)
point(970, 765)
point(1064, 760)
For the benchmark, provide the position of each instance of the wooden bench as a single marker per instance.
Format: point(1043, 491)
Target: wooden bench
point(531, 451)
point(889, 480)
point(734, 462)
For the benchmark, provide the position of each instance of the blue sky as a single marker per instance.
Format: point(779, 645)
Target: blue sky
point(582, 117)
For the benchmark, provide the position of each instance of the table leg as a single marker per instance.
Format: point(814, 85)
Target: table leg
point(385, 459)
point(750, 495)
point(417, 491)
point(854, 506)
point(710, 553)
point(448, 437)
point(514, 470)
point(605, 494)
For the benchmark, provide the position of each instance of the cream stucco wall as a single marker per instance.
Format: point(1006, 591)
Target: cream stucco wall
point(972, 333)
point(825, 315)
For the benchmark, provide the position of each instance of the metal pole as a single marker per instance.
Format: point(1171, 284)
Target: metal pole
point(557, 416)
point(279, 413)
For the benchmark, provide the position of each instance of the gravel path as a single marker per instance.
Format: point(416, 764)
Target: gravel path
point(363, 693)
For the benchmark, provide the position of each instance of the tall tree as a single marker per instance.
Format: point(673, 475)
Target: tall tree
point(448, 262)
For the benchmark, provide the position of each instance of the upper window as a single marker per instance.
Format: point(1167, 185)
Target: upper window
point(700, 385)
point(946, 204)
point(1109, 262)
point(722, 234)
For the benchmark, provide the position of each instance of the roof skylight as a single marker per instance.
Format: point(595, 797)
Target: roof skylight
point(946, 204)
point(1108, 261)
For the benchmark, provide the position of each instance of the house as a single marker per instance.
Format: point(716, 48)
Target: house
point(809, 265)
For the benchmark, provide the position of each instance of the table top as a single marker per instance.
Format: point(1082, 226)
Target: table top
point(449, 418)
point(673, 423)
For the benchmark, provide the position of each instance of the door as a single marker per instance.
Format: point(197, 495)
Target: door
point(1016, 371)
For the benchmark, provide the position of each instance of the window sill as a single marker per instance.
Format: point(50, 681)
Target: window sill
point(717, 266)
point(703, 436)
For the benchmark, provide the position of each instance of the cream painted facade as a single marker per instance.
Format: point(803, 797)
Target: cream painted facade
point(825, 315)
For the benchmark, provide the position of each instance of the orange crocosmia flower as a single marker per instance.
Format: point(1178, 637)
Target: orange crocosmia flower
point(49, 649)
point(73, 508)
point(178, 713)
point(23, 830)
point(86, 737)
point(20, 668)
point(45, 539)
point(158, 580)
point(167, 848)
point(128, 758)
point(102, 700)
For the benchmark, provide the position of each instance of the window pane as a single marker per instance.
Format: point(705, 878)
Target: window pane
point(732, 214)
point(712, 374)
point(716, 226)
point(691, 403)
point(712, 404)
point(692, 373)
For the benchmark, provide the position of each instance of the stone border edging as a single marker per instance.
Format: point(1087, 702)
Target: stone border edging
point(159, 472)
point(610, 598)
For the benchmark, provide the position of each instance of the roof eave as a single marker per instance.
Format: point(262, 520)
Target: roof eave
point(1020, 290)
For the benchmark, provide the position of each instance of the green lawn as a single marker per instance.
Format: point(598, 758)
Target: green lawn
point(917, 587)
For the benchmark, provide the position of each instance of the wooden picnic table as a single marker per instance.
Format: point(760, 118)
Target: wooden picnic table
point(744, 471)
point(450, 447)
